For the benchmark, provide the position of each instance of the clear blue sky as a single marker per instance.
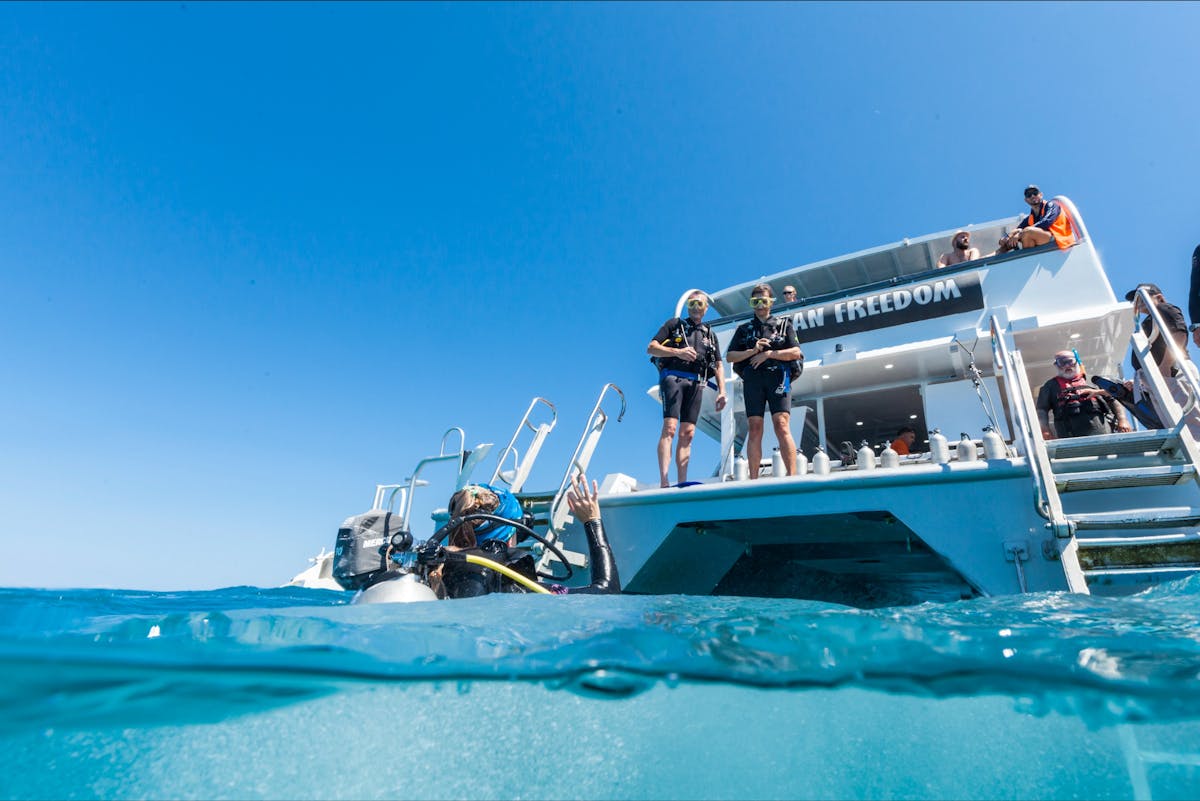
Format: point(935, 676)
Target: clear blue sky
point(255, 259)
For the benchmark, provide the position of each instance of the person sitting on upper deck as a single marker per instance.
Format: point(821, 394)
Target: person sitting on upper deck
point(1080, 410)
point(904, 440)
point(766, 355)
point(1047, 222)
point(960, 250)
point(789, 294)
point(1172, 316)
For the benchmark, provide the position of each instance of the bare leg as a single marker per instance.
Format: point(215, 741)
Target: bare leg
point(683, 450)
point(1032, 237)
point(754, 444)
point(787, 446)
point(664, 450)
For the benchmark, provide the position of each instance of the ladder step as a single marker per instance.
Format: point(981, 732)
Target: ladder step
point(1112, 444)
point(1134, 477)
point(1140, 553)
point(1135, 540)
point(1161, 517)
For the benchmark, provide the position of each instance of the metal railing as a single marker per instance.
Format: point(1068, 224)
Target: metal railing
point(1156, 383)
point(580, 459)
point(522, 466)
point(1047, 503)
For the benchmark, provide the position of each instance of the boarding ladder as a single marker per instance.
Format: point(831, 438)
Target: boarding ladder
point(1123, 545)
point(559, 513)
point(388, 496)
point(516, 477)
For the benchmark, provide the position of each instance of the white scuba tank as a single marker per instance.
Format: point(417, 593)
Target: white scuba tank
point(403, 590)
point(966, 449)
point(939, 447)
point(741, 468)
point(865, 457)
point(801, 462)
point(821, 462)
point(993, 444)
point(778, 468)
point(888, 457)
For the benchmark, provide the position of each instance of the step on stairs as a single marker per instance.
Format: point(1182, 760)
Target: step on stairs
point(1127, 548)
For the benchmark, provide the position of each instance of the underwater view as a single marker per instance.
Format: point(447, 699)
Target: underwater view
point(289, 693)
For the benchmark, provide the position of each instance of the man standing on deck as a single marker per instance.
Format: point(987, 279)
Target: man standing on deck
point(1172, 317)
point(767, 356)
point(1046, 223)
point(687, 353)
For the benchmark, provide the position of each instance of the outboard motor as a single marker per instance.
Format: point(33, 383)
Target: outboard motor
point(360, 555)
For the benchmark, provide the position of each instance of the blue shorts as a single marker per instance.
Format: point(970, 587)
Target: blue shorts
point(681, 397)
point(764, 389)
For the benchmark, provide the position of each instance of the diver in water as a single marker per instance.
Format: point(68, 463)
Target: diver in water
point(476, 553)
point(485, 521)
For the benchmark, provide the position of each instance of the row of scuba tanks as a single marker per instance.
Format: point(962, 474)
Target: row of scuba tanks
point(864, 458)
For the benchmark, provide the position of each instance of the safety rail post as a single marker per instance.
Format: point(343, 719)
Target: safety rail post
point(1047, 503)
point(1157, 383)
point(442, 456)
point(597, 420)
point(379, 491)
point(522, 467)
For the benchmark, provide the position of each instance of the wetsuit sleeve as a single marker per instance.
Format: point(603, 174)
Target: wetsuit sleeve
point(605, 580)
point(664, 331)
point(1050, 212)
point(738, 340)
point(1194, 291)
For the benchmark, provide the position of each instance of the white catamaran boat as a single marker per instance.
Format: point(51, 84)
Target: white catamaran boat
point(892, 341)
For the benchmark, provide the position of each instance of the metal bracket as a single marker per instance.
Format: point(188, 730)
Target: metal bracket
point(1018, 552)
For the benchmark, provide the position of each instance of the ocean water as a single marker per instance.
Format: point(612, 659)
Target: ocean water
point(287, 693)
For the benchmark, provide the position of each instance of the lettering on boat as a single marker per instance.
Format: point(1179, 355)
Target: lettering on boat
point(934, 298)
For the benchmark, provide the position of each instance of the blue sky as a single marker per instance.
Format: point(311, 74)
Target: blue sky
point(255, 259)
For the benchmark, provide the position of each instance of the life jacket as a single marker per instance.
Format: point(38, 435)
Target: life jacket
point(1061, 229)
point(1067, 402)
point(681, 332)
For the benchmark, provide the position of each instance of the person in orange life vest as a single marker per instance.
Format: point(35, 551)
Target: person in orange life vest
point(1079, 409)
point(1047, 222)
point(902, 444)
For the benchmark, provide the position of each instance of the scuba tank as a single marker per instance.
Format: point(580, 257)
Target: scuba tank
point(865, 457)
point(966, 449)
point(888, 457)
point(993, 444)
point(741, 468)
point(820, 462)
point(778, 468)
point(801, 462)
point(939, 448)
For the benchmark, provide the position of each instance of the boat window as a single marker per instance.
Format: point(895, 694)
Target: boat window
point(808, 436)
point(875, 416)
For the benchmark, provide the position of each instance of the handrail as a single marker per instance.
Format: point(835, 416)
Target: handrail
point(581, 457)
point(1153, 378)
point(462, 442)
point(1048, 504)
point(682, 302)
point(1021, 409)
point(442, 456)
point(395, 488)
point(523, 466)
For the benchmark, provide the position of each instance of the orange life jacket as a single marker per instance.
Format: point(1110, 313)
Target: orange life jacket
point(1061, 229)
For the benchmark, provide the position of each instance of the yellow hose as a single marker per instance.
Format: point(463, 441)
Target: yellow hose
point(532, 586)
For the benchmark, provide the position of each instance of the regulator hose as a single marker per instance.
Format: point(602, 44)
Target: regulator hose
point(527, 583)
point(452, 525)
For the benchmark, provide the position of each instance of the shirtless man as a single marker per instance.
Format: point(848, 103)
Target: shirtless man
point(961, 250)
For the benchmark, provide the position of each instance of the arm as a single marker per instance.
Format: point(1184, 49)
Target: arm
point(1044, 420)
point(1168, 361)
point(586, 508)
point(943, 261)
point(1044, 402)
point(721, 399)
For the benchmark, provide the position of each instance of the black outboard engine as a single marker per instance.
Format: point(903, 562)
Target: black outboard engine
point(360, 555)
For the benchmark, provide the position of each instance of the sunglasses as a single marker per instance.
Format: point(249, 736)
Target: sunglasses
point(694, 302)
point(760, 302)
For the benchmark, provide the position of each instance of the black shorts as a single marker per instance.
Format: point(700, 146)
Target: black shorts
point(764, 389)
point(681, 398)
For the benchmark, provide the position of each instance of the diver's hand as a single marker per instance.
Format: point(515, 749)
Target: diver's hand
point(688, 354)
point(584, 505)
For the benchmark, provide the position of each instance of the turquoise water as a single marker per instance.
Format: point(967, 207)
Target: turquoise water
point(286, 693)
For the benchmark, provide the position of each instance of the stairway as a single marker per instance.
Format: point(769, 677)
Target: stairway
point(1127, 548)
